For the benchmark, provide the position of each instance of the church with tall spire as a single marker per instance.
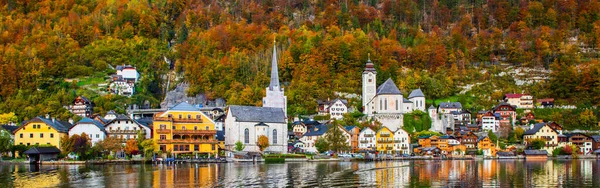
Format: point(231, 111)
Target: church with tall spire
point(275, 93)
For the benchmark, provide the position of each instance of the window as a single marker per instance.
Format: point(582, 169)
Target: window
point(163, 126)
point(176, 148)
point(189, 116)
point(97, 135)
point(163, 137)
point(51, 135)
point(41, 135)
point(397, 105)
point(173, 127)
point(47, 143)
point(213, 146)
point(182, 128)
point(21, 135)
point(196, 148)
point(206, 127)
point(380, 104)
point(246, 136)
point(181, 148)
point(195, 128)
point(30, 135)
point(187, 148)
point(386, 104)
point(274, 136)
point(197, 116)
point(179, 116)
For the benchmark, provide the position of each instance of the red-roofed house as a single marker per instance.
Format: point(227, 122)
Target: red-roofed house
point(519, 100)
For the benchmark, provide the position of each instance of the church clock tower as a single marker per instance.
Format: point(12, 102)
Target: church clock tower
point(369, 82)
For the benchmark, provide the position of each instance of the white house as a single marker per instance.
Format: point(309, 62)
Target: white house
point(311, 137)
point(122, 87)
point(247, 123)
point(402, 141)
point(93, 128)
point(367, 139)
point(123, 127)
point(338, 108)
point(448, 107)
point(128, 72)
point(490, 121)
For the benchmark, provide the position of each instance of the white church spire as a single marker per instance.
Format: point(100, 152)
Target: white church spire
point(274, 73)
point(275, 93)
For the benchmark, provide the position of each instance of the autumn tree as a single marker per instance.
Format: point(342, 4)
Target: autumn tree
point(262, 142)
point(81, 144)
point(148, 148)
point(537, 143)
point(109, 144)
point(67, 144)
point(588, 119)
point(8, 118)
point(131, 147)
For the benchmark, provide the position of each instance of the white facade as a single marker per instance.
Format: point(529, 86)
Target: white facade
point(418, 103)
point(247, 128)
point(338, 109)
point(309, 143)
point(490, 123)
point(298, 129)
point(129, 73)
point(402, 141)
point(367, 139)
point(125, 129)
point(94, 131)
point(122, 87)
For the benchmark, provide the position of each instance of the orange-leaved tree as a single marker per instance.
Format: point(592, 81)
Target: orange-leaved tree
point(263, 142)
point(131, 147)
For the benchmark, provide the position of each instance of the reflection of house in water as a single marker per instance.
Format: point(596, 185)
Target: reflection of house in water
point(196, 175)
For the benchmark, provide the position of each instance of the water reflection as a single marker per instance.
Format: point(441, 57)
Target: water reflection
point(511, 173)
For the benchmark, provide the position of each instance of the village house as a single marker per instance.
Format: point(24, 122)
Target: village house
point(545, 103)
point(298, 128)
point(310, 138)
point(92, 128)
point(401, 142)
point(385, 140)
point(529, 117)
point(508, 114)
point(469, 140)
point(123, 128)
point(367, 140)
point(490, 121)
point(487, 146)
point(353, 132)
point(449, 107)
point(37, 154)
point(82, 106)
point(41, 131)
point(185, 129)
point(536, 154)
point(128, 73)
point(335, 108)
point(596, 142)
point(583, 142)
point(121, 86)
point(519, 100)
point(544, 132)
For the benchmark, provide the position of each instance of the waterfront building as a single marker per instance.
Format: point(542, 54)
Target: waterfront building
point(42, 131)
point(385, 140)
point(247, 123)
point(353, 132)
point(185, 129)
point(582, 141)
point(490, 121)
point(487, 146)
point(401, 142)
point(542, 131)
point(310, 138)
point(508, 114)
point(367, 140)
point(82, 106)
point(124, 128)
point(92, 128)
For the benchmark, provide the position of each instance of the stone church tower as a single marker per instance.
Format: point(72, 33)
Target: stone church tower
point(275, 94)
point(369, 85)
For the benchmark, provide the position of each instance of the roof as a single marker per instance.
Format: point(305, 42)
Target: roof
point(597, 151)
point(344, 101)
point(274, 84)
point(370, 67)
point(349, 128)
point(257, 114)
point(535, 129)
point(10, 128)
point(513, 95)
point(261, 124)
point(596, 138)
point(60, 126)
point(221, 135)
point(431, 107)
point(388, 87)
point(407, 101)
point(536, 152)
point(184, 106)
point(365, 129)
point(146, 122)
point(90, 121)
point(503, 104)
point(545, 100)
point(505, 153)
point(450, 105)
point(317, 130)
point(42, 150)
point(416, 93)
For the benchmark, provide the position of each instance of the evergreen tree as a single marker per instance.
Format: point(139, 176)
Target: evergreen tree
point(336, 138)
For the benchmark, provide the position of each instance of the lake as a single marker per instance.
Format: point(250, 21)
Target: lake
point(456, 173)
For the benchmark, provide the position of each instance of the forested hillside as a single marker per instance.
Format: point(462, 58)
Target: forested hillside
point(223, 48)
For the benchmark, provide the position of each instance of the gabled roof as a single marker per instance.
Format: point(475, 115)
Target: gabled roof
point(84, 99)
point(317, 130)
point(514, 95)
point(388, 87)
point(431, 107)
point(42, 150)
point(536, 128)
point(384, 127)
point(221, 135)
point(505, 153)
point(349, 128)
point(504, 104)
point(344, 101)
point(416, 93)
point(60, 126)
point(146, 122)
point(596, 138)
point(184, 106)
point(365, 129)
point(86, 120)
point(450, 105)
point(257, 114)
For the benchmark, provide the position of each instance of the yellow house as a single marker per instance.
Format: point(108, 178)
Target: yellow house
point(486, 145)
point(41, 131)
point(185, 129)
point(385, 140)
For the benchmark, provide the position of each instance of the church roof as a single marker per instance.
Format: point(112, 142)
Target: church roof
point(416, 93)
point(274, 73)
point(388, 87)
point(407, 101)
point(257, 114)
point(184, 106)
point(370, 67)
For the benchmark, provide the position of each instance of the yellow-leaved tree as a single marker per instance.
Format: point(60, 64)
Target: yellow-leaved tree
point(263, 142)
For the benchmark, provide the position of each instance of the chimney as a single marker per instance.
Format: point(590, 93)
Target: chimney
point(71, 121)
point(531, 126)
point(53, 119)
point(47, 116)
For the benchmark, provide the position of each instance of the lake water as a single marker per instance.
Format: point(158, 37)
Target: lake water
point(472, 173)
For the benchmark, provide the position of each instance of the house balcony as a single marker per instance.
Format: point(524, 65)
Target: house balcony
point(385, 141)
point(177, 120)
point(194, 132)
point(187, 141)
point(404, 148)
point(369, 135)
point(163, 131)
point(397, 141)
point(384, 134)
point(364, 141)
point(123, 131)
point(389, 148)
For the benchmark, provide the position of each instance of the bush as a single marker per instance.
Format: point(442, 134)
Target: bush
point(275, 160)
